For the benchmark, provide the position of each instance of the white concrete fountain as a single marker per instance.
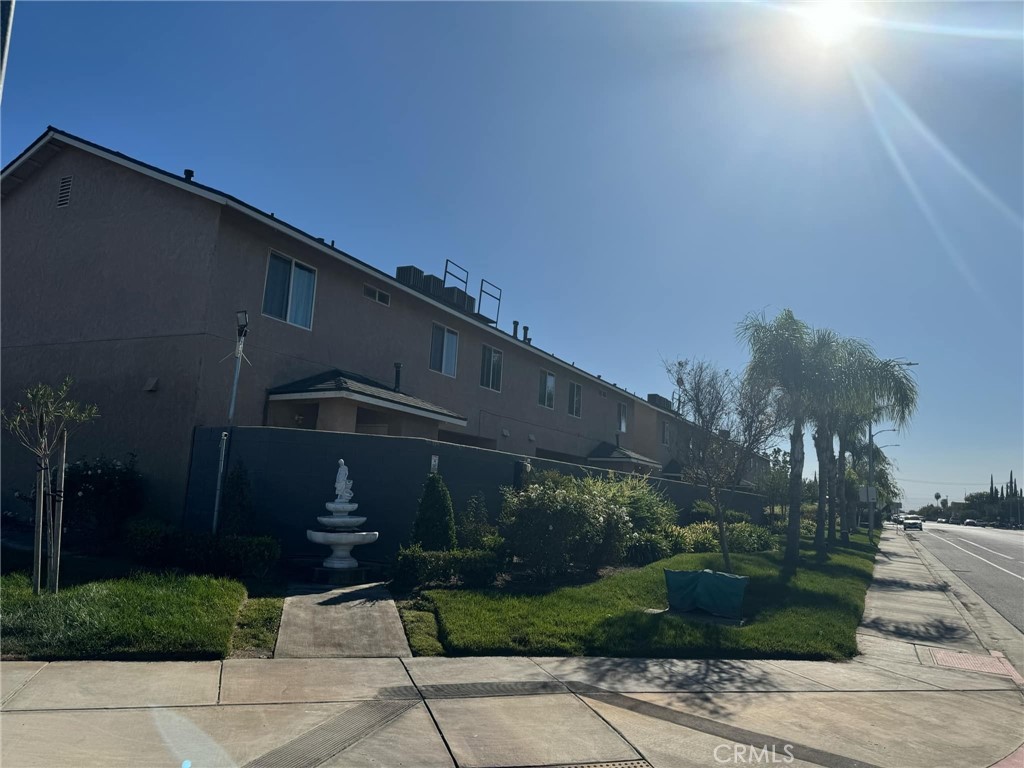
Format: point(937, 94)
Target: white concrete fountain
point(342, 535)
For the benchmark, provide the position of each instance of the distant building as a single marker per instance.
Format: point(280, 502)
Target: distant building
point(128, 278)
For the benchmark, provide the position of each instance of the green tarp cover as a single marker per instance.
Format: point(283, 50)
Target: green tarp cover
point(720, 594)
point(682, 589)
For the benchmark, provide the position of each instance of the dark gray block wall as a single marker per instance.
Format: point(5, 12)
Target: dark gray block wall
point(291, 475)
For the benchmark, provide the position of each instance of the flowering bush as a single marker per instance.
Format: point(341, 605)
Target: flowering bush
point(99, 496)
point(559, 524)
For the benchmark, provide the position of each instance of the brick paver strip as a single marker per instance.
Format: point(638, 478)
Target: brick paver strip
point(973, 662)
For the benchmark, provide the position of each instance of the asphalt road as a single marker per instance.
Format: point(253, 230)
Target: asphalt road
point(989, 560)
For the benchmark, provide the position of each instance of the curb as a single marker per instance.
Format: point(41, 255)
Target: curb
point(996, 634)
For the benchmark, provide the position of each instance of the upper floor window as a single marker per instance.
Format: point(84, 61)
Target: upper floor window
point(575, 399)
point(622, 417)
point(490, 368)
point(546, 393)
point(444, 350)
point(377, 295)
point(665, 434)
point(289, 291)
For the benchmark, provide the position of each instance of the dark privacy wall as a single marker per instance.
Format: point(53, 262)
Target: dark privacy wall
point(291, 475)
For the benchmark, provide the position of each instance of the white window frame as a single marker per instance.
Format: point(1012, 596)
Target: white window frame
point(490, 369)
point(291, 282)
point(623, 418)
point(575, 389)
point(374, 294)
point(545, 374)
point(455, 365)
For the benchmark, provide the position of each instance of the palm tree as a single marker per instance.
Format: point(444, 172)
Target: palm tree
point(840, 386)
point(781, 353)
point(858, 390)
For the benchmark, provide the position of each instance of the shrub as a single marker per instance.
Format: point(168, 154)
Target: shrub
point(647, 507)
point(149, 541)
point(646, 547)
point(701, 537)
point(236, 506)
point(197, 552)
point(155, 543)
point(473, 525)
point(747, 537)
point(248, 555)
point(732, 516)
point(99, 497)
point(416, 567)
point(807, 528)
point(702, 511)
point(674, 538)
point(742, 537)
point(435, 521)
point(561, 524)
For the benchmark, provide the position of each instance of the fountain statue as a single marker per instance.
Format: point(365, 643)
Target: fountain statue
point(341, 536)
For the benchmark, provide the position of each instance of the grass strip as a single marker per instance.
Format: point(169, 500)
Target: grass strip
point(812, 614)
point(420, 630)
point(256, 630)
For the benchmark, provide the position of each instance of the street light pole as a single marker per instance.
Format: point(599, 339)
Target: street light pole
point(242, 318)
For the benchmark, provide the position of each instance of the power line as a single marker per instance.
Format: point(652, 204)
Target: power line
point(961, 483)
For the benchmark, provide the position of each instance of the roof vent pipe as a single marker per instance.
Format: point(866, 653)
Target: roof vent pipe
point(515, 329)
point(189, 173)
point(398, 377)
point(526, 334)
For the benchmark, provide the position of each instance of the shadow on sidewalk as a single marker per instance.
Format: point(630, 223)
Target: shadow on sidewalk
point(930, 632)
point(899, 584)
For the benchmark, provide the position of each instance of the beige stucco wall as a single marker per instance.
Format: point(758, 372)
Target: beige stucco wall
point(111, 289)
point(140, 280)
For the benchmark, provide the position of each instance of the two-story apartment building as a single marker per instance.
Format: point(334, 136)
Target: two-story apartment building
point(128, 278)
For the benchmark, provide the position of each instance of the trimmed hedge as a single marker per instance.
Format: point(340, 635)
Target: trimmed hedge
point(154, 543)
point(416, 566)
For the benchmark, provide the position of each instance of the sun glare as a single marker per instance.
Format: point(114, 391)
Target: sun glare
point(830, 22)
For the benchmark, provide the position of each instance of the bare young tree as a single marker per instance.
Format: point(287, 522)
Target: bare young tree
point(737, 417)
point(42, 424)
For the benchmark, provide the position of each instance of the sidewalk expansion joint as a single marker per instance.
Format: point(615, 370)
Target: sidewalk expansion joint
point(335, 735)
point(716, 728)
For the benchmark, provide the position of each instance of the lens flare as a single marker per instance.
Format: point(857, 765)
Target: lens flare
point(830, 22)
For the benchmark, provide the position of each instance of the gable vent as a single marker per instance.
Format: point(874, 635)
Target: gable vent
point(64, 192)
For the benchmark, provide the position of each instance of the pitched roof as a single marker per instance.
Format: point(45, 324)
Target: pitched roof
point(338, 383)
point(608, 452)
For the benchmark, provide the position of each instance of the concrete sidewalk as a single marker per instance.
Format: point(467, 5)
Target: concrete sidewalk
point(899, 704)
point(350, 622)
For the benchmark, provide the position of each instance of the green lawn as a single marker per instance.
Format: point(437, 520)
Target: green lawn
point(812, 615)
point(146, 616)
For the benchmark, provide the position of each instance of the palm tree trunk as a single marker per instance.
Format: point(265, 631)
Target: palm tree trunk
point(819, 523)
point(844, 513)
point(831, 496)
point(796, 482)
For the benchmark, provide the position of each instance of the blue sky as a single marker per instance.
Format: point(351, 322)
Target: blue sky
point(636, 177)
